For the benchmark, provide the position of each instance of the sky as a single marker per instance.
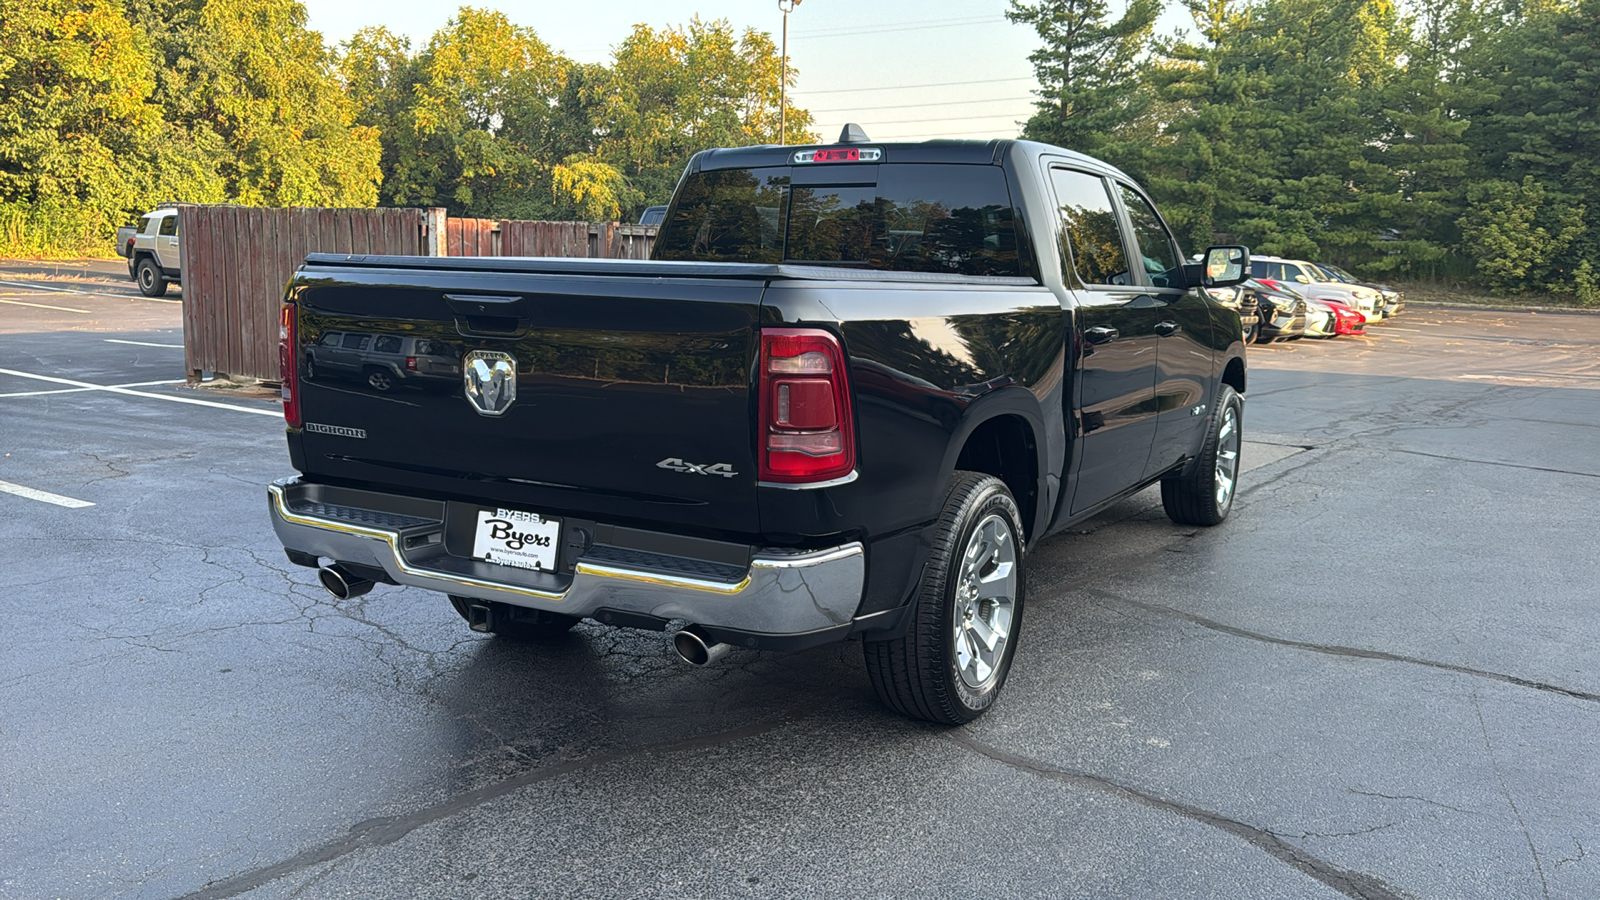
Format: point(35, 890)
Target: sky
point(901, 70)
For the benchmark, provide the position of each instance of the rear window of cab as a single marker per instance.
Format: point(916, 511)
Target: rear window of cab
point(955, 219)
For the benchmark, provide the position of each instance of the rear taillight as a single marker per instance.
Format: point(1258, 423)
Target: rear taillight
point(411, 364)
point(288, 374)
point(807, 433)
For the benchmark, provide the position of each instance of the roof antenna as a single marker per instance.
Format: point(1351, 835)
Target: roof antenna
point(853, 134)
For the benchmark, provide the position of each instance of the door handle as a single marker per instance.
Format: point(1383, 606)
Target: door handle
point(1167, 328)
point(1101, 334)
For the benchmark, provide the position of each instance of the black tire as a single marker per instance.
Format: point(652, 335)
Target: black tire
point(380, 379)
point(921, 673)
point(1198, 497)
point(1249, 332)
point(518, 623)
point(151, 282)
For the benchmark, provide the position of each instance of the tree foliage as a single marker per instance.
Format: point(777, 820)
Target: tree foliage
point(1432, 139)
point(108, 107)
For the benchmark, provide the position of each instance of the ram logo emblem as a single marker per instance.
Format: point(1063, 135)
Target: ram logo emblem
point(491, 381)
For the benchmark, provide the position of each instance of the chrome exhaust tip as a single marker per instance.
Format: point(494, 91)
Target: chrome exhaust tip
point(692, 648)
point(341, 583)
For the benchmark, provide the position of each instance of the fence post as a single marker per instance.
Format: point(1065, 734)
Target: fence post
point(437, 223)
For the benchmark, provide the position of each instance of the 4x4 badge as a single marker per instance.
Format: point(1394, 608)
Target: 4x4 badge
point(491, 381)
point(677, 465)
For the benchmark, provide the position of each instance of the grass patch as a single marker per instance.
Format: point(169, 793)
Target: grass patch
point(1471, 295)
point(50, 231)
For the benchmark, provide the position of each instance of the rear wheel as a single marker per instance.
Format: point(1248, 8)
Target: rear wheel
point(953, 660)
point(151, 282)
point(516, 622)
point(380, 379)
point(1205, 495)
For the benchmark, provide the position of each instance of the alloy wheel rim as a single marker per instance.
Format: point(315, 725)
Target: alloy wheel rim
point(985, 603)
point(1227, 457)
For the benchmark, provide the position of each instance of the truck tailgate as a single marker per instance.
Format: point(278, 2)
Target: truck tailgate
point(632, 398)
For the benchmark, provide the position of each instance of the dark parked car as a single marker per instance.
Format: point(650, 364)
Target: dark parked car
point(852, 389)
point(652, 215)
point(1283, 310)
point(1245, 304)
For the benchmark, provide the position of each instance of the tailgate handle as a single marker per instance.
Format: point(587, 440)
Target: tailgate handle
point(487, 315)
point(481, 304)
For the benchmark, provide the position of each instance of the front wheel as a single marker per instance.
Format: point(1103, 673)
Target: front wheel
point(952, 661)
point(151, 282)
point(1205, 495)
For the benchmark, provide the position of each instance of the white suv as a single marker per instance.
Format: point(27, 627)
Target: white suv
point(1318, 285)
point(154, 259)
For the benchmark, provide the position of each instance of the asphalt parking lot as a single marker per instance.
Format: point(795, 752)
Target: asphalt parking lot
point(1379, 679)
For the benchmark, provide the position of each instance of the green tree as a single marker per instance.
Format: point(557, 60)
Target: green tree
point(671, 93)
point(1540, 118)
point(266, 85)
point(74, 91)
point(1422, 151)
point(1088, 69)
point(1195, 161)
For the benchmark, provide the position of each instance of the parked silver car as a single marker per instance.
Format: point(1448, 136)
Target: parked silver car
point(1393, 300)
point(382, 361)
point(1318, 285)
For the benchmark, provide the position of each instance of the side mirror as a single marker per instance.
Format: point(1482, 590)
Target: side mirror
point(1226, 265)
point(1302, 279)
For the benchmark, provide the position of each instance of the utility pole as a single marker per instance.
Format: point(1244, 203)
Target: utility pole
point(783, 84)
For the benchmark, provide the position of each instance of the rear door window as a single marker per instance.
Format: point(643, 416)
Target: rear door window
point(1089, 234)
point(387, 344)
point(356, 341)
point(169, 225)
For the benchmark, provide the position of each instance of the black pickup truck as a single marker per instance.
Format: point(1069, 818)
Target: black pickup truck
point(850, 390)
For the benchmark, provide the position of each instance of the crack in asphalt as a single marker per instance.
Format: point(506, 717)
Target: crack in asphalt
point(1338, 650)
point(1358, 885)
point(386, 830)
point(1505, 791)
point(1492, 462)
point(1383, 796)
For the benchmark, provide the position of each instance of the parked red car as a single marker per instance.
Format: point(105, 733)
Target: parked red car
point(1347, 320)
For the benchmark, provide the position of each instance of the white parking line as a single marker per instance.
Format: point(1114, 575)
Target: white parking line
point(143, 343)
point(112, 389)
point(81, 390)
point(45, 306)
point(7, 487)
point(62, 290)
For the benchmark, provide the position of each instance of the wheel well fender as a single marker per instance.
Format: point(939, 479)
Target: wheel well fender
point(1233, 374)
point(1001, 434)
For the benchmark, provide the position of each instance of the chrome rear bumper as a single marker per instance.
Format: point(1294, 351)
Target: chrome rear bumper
point(779, 592)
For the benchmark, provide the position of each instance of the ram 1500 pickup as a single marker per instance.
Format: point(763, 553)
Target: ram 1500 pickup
point(852, 388)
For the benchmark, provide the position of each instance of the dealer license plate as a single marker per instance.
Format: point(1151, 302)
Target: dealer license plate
point(511, 537)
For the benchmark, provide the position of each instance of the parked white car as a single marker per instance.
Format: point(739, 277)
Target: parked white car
point(1318, 285)
point(154, 258)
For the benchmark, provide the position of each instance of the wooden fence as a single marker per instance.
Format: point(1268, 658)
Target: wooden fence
point(236, 262)
point(510, 237)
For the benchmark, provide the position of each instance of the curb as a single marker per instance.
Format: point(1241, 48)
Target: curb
point(1503, 307)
